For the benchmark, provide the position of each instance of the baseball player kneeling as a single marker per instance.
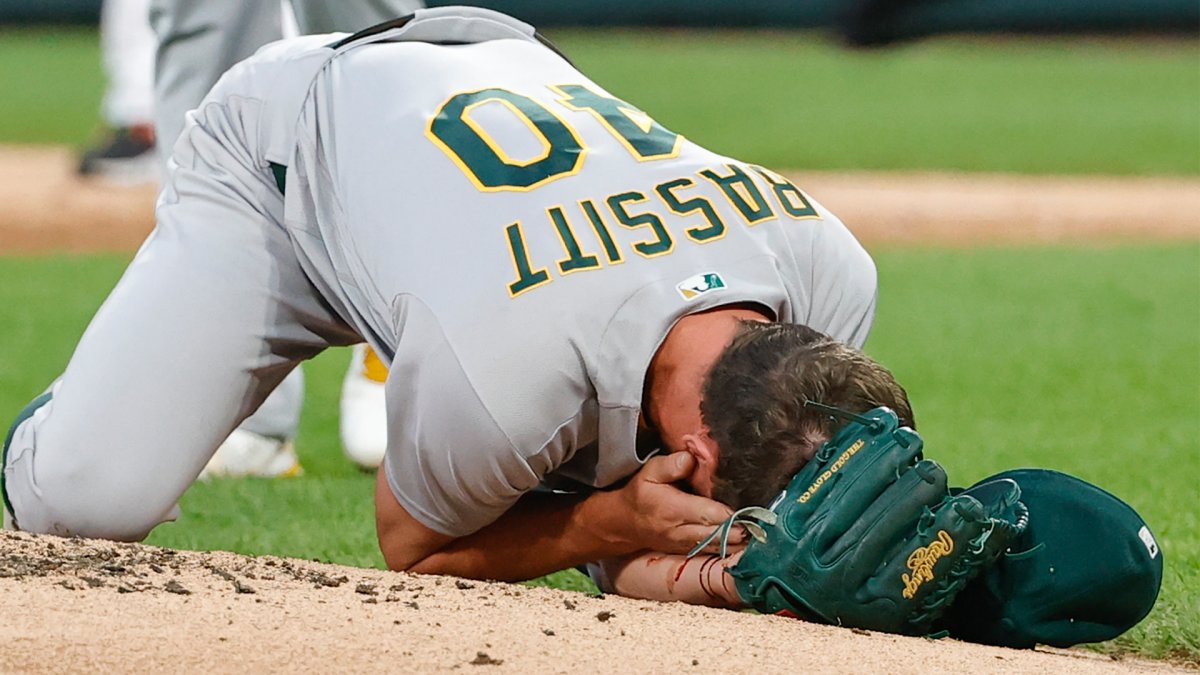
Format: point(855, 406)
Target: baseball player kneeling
point(604, 341)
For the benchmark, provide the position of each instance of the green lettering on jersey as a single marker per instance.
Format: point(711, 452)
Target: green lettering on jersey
point(742, 193)
point(793, 201)
point(715, 228)
point(480, 154)
point(638, 132)
point(527, 277)
point(661, 244)
point(610, 247)
point(576, 259)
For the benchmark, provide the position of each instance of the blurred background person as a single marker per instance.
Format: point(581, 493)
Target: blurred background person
point(197, 43)
point(126, 152)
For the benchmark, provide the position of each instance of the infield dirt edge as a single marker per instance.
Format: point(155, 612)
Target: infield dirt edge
point(47, 207)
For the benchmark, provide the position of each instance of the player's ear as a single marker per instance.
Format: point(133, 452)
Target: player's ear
point(703, 448)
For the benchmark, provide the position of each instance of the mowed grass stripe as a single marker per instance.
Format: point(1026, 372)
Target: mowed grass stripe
point(795, 100)
point(53, 82)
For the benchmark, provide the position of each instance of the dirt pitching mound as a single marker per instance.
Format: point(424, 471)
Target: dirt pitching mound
point(47, 207)
point(71, 605)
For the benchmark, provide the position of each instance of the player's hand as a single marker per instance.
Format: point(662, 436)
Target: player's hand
point(660, 516)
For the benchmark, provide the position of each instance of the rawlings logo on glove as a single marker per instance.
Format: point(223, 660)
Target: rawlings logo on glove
point(922, 560)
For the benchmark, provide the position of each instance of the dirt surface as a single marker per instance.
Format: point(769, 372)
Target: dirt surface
point(78, 606)
point(47, 207)
point(68, 605)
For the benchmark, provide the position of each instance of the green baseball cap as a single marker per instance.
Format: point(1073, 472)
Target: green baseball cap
point(1086, 569)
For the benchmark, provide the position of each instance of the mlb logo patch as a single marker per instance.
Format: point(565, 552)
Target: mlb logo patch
point(697, 285)
point(1148, 541)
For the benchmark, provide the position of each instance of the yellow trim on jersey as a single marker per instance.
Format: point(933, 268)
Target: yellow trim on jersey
point(656, 225)
point(712, 176)
point(607, 241)
point(639, 118)
point(775, 180)
point(533, 273)
point(495, 145)
point(583, 257)
point(470, 174)
point(663, 187)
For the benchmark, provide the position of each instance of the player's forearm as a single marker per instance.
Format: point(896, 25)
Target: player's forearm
point(700, 580)
point(540, 535)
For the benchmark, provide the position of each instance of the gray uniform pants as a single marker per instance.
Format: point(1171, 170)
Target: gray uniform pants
point(211, 315)
point(198, 40)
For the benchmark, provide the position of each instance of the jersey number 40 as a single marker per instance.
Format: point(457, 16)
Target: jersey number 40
point(485, 162)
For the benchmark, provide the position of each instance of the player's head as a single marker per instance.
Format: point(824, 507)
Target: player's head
point(753, 404)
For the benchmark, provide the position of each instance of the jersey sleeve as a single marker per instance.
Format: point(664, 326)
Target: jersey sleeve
point(844, 283)
point(448, 462)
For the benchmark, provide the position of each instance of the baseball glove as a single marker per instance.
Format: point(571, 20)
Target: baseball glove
point(867, 535)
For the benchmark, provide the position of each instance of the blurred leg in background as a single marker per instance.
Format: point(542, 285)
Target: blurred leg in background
point(363, 411)
point(197, 43)
point(126, 153)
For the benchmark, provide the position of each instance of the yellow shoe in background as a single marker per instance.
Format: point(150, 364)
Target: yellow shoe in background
point(246, 453)
point(363, 424)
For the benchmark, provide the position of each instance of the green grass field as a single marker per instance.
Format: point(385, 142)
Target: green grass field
point(1081, 359)
point(1066, 106)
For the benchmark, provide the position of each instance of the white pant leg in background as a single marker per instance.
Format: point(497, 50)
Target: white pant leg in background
point(210, 316)
point(199, 41)
point(127, 46)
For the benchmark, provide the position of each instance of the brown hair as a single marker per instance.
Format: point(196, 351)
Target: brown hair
point(753, 404)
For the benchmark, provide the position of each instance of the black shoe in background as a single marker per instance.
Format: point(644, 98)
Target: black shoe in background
point(126, 155)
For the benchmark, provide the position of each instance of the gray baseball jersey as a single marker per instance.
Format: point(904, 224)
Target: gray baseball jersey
point(514, 239)
point(519, 241)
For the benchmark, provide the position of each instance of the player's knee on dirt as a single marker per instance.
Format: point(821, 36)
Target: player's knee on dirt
point(60, 487)
point(77, 499)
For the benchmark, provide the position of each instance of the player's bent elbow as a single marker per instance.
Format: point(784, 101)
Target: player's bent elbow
point(393, 558)
point(404, 553)
point(403, 540)
point(398, 552)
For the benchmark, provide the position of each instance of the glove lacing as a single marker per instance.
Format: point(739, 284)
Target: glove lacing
point(751, 518)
